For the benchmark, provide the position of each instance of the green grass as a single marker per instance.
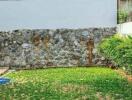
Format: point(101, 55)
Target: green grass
point(66, 84)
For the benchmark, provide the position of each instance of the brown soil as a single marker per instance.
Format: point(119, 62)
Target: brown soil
point(125, 75)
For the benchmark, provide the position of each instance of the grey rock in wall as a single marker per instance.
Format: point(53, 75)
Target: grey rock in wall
point(45, 48)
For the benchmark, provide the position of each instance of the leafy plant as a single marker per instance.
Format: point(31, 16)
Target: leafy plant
point(122, 16)
point(118, 49)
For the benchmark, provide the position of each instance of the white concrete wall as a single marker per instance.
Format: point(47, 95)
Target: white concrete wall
point(125, 28)
point(54, 14)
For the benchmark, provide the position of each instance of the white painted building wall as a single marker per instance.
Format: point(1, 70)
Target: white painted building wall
point(125, 28)
point(52, 14)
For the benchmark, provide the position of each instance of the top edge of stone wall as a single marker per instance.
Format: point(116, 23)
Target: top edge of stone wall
point(91, 28)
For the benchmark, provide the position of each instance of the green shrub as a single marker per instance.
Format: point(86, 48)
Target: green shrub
point(118, 49)
point(122, 16)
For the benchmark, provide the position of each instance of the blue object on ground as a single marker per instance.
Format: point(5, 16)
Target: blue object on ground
point(4, 80)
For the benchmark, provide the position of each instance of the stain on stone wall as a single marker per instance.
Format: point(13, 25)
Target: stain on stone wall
point(45, 48)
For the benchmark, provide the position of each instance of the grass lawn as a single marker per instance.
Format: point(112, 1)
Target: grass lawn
point(66, 84)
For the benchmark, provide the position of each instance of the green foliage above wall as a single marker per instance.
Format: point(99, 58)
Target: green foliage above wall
point(122, 16)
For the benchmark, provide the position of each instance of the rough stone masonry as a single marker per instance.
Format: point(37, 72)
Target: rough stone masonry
point(46, 47)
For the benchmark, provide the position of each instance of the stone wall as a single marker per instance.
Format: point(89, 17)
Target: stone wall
point(43, 48)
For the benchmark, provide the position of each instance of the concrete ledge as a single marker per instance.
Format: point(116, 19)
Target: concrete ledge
point(3, 70)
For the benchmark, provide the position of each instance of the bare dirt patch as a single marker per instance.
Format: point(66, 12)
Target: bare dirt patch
point(125, 75)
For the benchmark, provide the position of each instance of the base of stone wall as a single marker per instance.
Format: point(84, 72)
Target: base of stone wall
point(55, 67)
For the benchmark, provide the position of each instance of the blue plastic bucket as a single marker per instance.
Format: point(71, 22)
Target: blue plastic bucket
point(4, 80)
